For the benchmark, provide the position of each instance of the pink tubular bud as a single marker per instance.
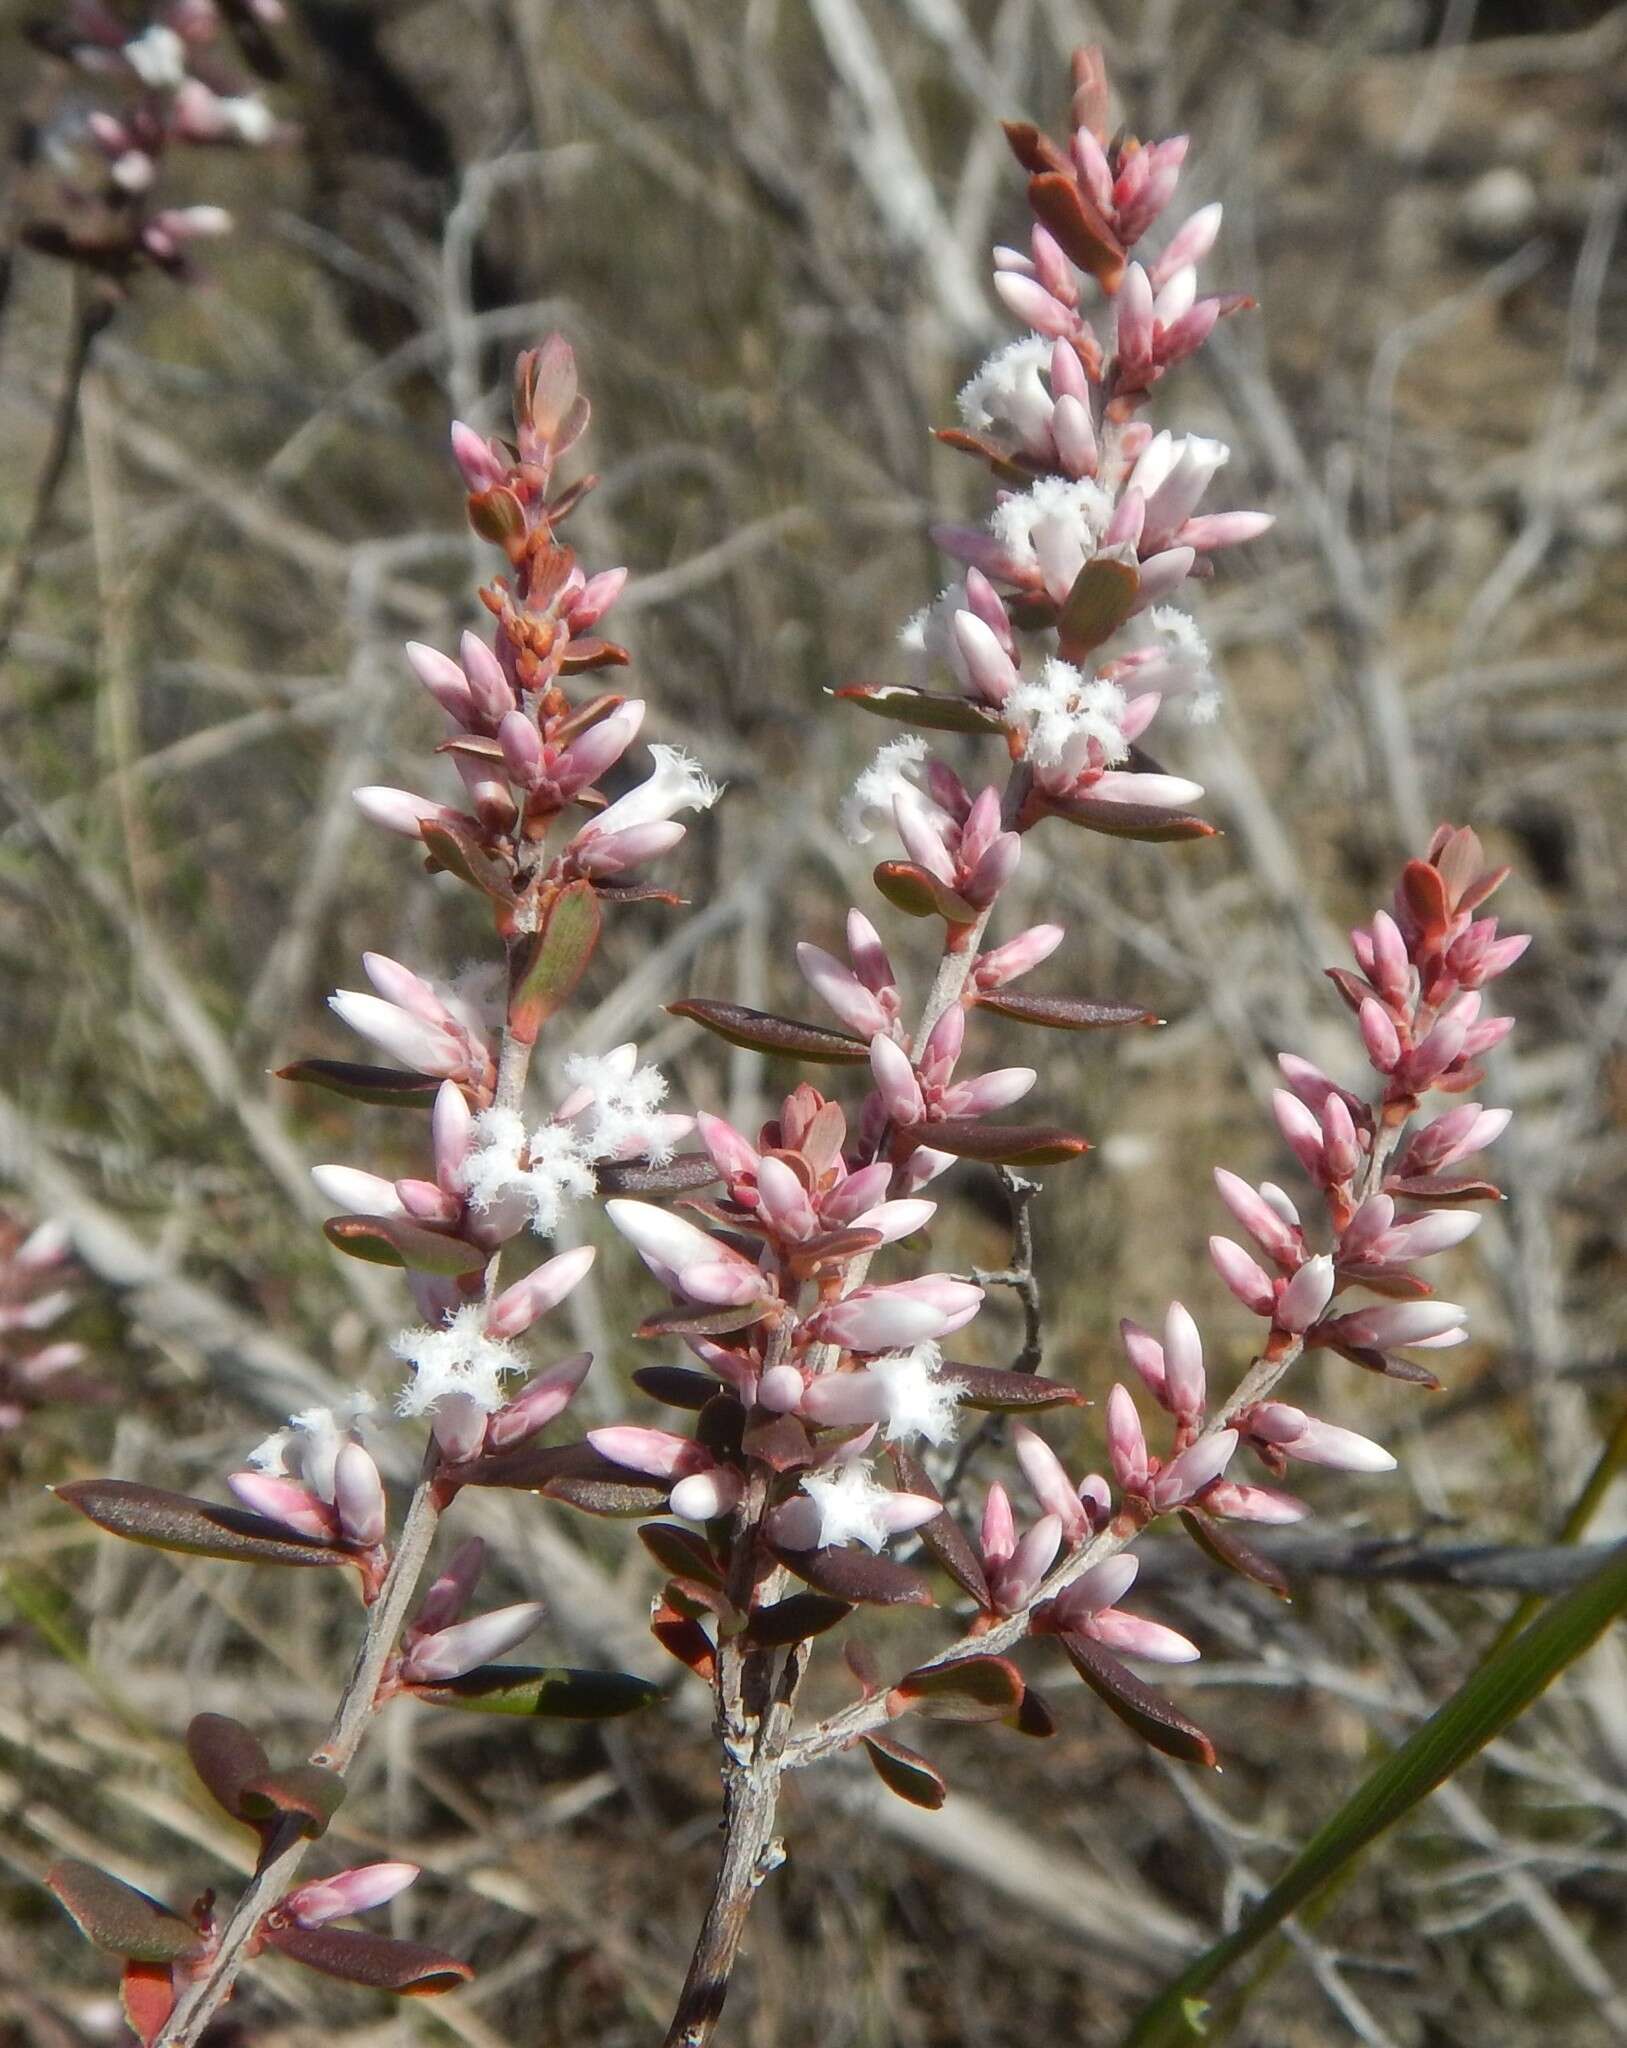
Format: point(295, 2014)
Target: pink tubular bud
point(600, 747)
point(1400, 1323)
point(783, 1201)
point(458, 1426)
point(1031, 303)
point(444, 1601)
point(703, 1496)
point(356, 1193)
point(1437, 1230)
point(888, 1318)
point(1184, 1380)
point(522, 749)
point(673, 1248)
point(893, 1220)
point(857, 1195)
point(1341, 1150)
point(1126, 1445)
point(895, 1080)
point(444, 681)
point(1146, 1354)
point(519, 1306)
point(1242, 1276)
point(1161, 792)
point(614, 853)
point(1050, 1484)
point(1392, 967)
point(1302, 1130)
point(358, 1496)
point(655, 1451)
point(1211, 530)
point(993, 870)
point(1189, 244)
point(1265, 1504)
point(1306, 1295)
point(997, 1536)
point(780, 1390)
point(842, 992)
point(538, 1403)
point(1314, 1442)
point(1134, 308)
point(450, 1652)
point(350, 1891)
point(1132, 1636)
point(488, 686)
point(1365, 1228)
point(476, 458)
point(988, 669)
point(1378, 1034)
point(1018, 956)
point(1281, 1242)
point(989, 1092)
point(450, 1126)
point(396, 810)
point(1198, 1466)
point(426, 1048)
point(285, 1501)
point(1103, 1586)
point(845, 1400)
point(1015, 1582)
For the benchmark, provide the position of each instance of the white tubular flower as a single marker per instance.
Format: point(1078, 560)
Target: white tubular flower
point(920, 1401)
point(158, 58)
point(926, 634)
point(1074, 721)
point(679, 783)
point(847, 1504)
point(1054, 527)
point(890, 774)
point(308, 1448)
point(1008, 395)
point(458, 1359)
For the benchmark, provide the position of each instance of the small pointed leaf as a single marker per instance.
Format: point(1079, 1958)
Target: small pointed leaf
point(794, 1619)
point(676, 1386)
point(1066, 1013)
point(936, 710)
point(384, 1087)
point(1010, 1393)
point(1129, 821)
point(638, 1177)
point(553, 959)
point(398, 1241)
point(175, 1521)
point(1214, 1537)
point(1102, 598)
point(943, 1536)
point(405, 1967)
point(905, 1773)
point(555, 1694)
point(970, 1689)
point(118, 1918)
point(919, 894)
point(762, 1031)
point(681, 1551)
point(1145, 1712)
point(1000, 1144)
point(858, 1576)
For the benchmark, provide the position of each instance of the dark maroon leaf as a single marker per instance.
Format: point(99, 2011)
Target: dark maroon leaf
point(1009, 469)
point(308, 1793)
point(1128, 821)
point(681, 1551)
point(970, 1689)
point(997, 1392)
point(398, 1241)
point(556, 1694)
point(1217, 1540)
point(943, 1536)
point(1141, 1709)
point(226, 1757)
point(936, 710)
point(375, 1960)
point(1434, 1188)
point(999, 1144)
point(1066, 1013)
point(1386, 1363)
point(762, 1031)
point(858, 1576)
point(175, 1521)
point(702, 1322)
point(385, 1087)
point(919, 894)
point(118, 1918)
point(574, 1473)
point(836, 1244)
point(794, 1619)
point(675, 1385)
point(905, 1773)
point(1032, 148)
point(684, 1638)
point(553, 959)
point(1351, 986)
point(780, 1442)
point(1085, 236)
point(639, 1177)
point(1102, 598)
point(1034, 1715)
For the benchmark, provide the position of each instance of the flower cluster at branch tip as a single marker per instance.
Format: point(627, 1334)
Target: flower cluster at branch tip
point(166, 84)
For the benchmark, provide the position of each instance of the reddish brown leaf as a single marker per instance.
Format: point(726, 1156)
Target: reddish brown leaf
point(398, 1241)
point(553, 959)
point(147, 1993)
point(999, 1144)
point(1129, 821)
point(1147, 1713)
point(943, 1536)
point(936, 710)
point(794, 1619)
point(384, 1087)
point(1215, 1538)
point(902, 1771)
point(1085, 236)
point(405, 1967)
point(762, 1031)
point(676, 1385)
point(175, 1521)
point(970, 1689)
point(683, 1552)
point(858, 1576)
point(1009, 1393)
point(1066, 1013)
point(116, 1917)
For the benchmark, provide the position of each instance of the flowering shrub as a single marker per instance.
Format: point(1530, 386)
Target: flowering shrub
point(820, 1390)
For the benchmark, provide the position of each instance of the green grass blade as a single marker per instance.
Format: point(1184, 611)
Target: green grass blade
point(1482, 1707)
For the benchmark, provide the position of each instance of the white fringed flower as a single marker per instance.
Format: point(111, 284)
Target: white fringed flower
point(1066, 713)
point(1181, 665)
point(928, 633)
point(920, 1401)
point(458, 1359)
point(852, 1505)
point(309, 1446)
point(889, 774)
point(1055, 527)
point(679, 783)
point(622, 1117)
point(1008, 395)
point(158, 57)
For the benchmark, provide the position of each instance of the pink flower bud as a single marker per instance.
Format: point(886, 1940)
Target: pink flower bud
point(993, 870)
point(845, 1400)
point(1212, 530)
point(1134, 308)
point(1341, 1152)
point(1306, 1295)
point(1281, 1242)
point(538, 1403)
point(1126, 1445)
point(444, 1601)
point(997, 1537)
point(349, 1891)
point(656, 1451)
point(703, 1496)
point(355, 1193)
point(780, 1390)
point(397, 810)
point(783, 1201)
point(1031, 303)
point(989, 1092)
point(895, 1080)
point(1265, 1504)
point(450, 1652)
point(1161, 792)
point(426, 1048)
point(988, 669)
point(1183, 1365)
point(857, 1195)
point(444, 681)
point(358, 1495)
point(1379, 1036)
point(1198, 1466)
point(614, 853)
point(1018, 956)
point(1437, 1230)
point(1103, 1586)
point(1050, 1484)
point(1131, 1636)
point(1075, 436)
point(1242, 1276)
point(519, 1306)
point(842, 992)
point(1314, 1442)
point(1399, 1323)
point(488, 686)
point(1014, 1582)
point(459, 1427)
point(476, 458)
point(889, 1318)
point(286, 1501)
point(680, 1254)
point(1189, 244)
point(894, 1220)
point(1302, 1130)
point(1146, 1354)
point(522, 749)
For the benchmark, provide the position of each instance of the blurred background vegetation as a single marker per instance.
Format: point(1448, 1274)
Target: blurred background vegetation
point(764, 224)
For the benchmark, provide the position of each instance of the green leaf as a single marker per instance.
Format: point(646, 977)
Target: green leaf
point(1495, 1695)
point(762, 1031)
point(118, 1918)
point(554, 1694)
point(384, 1087)
point(936, 710)
point(553, 959)
point(397, 1241)
point(175, 1521)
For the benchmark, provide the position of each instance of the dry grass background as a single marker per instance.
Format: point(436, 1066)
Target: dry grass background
point(762, 226)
